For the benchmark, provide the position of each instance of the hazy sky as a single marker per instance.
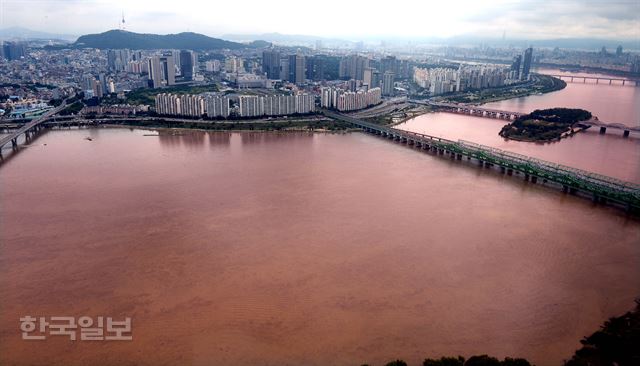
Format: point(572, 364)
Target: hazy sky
point(351, 19)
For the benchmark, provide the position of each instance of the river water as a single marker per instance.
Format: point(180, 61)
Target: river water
point(609, 154)
point(296, 248)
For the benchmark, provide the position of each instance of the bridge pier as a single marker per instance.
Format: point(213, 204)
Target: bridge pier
point(603, 130)
point(625, 133)
point(623, 81)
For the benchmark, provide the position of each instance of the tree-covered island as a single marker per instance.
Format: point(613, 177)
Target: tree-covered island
point(544, 124)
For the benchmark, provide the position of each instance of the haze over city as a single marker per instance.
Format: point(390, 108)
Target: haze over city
point(339, 183)
point(352, 20)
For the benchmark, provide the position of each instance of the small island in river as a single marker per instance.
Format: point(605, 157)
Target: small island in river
point(545, 124)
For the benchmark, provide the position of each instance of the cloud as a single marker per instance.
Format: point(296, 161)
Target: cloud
point(527, 19)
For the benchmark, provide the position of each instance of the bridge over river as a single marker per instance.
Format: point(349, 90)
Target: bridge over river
point(598, 79)
point(479, 111)
point(571, 180)
point(29, 128)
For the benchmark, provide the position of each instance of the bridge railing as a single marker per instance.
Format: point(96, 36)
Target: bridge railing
point(592, 177)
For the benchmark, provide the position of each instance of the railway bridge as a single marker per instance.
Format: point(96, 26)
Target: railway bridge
point(600, 188)
point(479, 111)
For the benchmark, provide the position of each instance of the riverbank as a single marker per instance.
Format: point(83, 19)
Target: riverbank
point(276, 125)
point(539, 84)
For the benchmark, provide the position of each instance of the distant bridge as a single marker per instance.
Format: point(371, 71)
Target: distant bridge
point(598, 79)
point(509, 116)
point(601, 188)
point(29, 128)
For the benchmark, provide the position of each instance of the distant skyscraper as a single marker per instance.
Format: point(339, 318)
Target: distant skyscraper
point(297, 69)
point(162, 71)
point(186, 64)
point(389, 64)
point(388, 83)
point(13, 50)
point(619, 51)
point(271, 63)
point(526, 65)
point(155, 74)
point(368, 75)
point(353, 66)
point(316, 66)
point(515, 67)
point(375, 79)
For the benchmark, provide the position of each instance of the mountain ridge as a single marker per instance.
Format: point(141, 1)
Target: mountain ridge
point(116, 38)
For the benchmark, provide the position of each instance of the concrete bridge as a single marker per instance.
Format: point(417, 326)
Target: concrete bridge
point(30, 128)
point(510, 116)
point(598, 79)
point(600, 188)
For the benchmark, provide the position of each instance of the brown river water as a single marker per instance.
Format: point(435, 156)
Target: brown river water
point(307, 249)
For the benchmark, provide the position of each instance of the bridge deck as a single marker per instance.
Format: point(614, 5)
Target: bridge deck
point(591, 122)
point(14, 135)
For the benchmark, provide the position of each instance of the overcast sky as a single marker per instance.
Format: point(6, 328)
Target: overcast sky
point(351, 19)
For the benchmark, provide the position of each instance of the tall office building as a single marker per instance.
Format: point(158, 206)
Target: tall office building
point(186, 64)
point(297, 69)
point(389, 64)
point(388, 83)
point(271, 63)
point(515, 66)
point(155, 74)
point(526, 65)
point(619, 51)
point(162, 71)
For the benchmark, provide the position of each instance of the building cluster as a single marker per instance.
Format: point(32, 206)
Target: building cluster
point(344, 101)
point(213, 105)
point(521, 73)
point(275, 105)
point(122, 109)
point(444, 80)
point(13, 51)
point(189, 105)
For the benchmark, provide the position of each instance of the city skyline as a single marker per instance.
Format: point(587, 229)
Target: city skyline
point(529, 20)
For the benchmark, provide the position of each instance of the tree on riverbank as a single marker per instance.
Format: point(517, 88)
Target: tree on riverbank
point(544, 124)
point(617, 343)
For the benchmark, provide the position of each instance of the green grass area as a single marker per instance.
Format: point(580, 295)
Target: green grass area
point(147, 96)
